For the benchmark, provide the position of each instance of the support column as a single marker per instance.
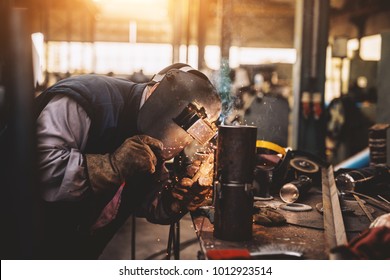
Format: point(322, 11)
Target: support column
point(19, 192)
point(383, 103)
point(311, 41)
point(177, 10)
point(202, 27)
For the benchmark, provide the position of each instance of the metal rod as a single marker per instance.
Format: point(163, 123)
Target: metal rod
point(333, 219)
point(372, 201)
point(364, 208)
point(384, 199)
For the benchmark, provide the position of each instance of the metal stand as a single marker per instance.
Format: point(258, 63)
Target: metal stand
point(173, 241)
point(133, 235)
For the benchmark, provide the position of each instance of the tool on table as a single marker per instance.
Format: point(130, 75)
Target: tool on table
point(372, 201)
point(304, 166)
point(363, 179)
point(333, 220)
point(291, 191)
point(271, 253)
point(384, 199)
point(364, 208)
point(271, 168)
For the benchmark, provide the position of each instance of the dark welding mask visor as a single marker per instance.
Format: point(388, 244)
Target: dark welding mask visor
point(182, 108)
point(194, 121)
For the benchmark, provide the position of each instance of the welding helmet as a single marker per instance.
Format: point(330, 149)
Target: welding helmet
point(183, 107)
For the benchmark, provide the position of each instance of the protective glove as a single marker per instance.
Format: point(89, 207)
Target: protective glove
point(381, 221)
point(137, 154)
point(190, 195)
point(269, 217)
point(191, 191)
point(371, 244)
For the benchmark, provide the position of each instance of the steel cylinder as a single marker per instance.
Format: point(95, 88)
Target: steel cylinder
point(233, 192)
point(236, 151)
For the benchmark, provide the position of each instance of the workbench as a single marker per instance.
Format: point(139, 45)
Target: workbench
point(303, 232)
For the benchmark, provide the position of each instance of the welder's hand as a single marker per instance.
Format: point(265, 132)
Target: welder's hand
point(194, 181)
point(190, 195)
point(137, 154)
point(203, 176)
point(381, 221)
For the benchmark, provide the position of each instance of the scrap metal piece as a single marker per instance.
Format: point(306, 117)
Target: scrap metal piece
point(333, 219)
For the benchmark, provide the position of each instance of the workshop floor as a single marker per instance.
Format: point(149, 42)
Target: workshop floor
point(151, 239)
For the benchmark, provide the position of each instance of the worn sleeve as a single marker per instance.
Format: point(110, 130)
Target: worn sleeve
point(62, 133)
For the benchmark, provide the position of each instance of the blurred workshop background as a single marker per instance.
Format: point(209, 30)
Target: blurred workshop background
point(326, 62)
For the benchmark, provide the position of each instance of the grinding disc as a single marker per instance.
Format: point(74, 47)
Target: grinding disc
point(259, 198)
point(295, 207)
point(304, 165)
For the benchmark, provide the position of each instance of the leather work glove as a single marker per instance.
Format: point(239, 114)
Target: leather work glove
point(191, 191)
point(136, 155)
point(269, 217)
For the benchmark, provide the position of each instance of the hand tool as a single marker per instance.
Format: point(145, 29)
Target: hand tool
point(244, 254)
point(372, 201)
point(364, 208)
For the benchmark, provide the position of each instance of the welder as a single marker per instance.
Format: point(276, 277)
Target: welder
point(102, 147)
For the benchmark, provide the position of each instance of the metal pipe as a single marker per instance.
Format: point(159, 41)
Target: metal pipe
point(233, 194)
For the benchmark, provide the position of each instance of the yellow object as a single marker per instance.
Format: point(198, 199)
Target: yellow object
point(271, 146)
